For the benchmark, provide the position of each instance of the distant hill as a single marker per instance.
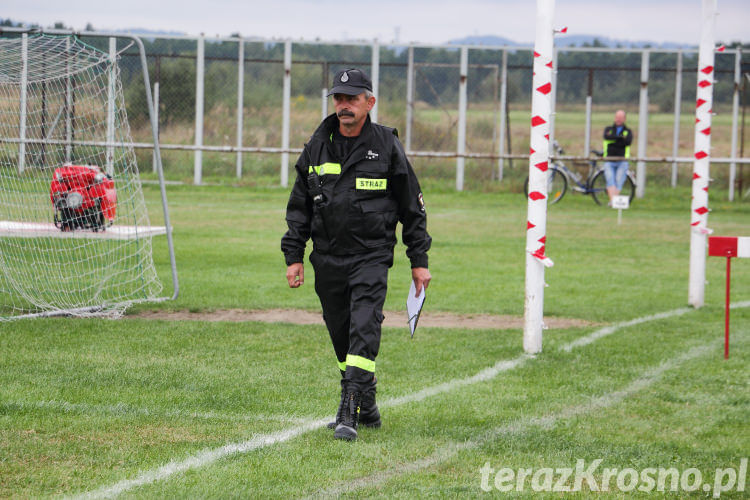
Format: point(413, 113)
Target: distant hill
point(570, 41)
point(490, 40)
point(153, 33)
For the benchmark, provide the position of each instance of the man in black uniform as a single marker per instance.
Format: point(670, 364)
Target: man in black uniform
point(353, 185)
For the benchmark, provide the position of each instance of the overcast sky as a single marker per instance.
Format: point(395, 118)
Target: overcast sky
point(430, 21)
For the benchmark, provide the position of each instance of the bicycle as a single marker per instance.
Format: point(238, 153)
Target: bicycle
point(559, 175)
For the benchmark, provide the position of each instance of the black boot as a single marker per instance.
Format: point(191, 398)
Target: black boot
point(369, 416)
point(340, 412)
point(347, 428)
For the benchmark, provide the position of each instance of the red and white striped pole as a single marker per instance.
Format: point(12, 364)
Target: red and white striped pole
point(703, 109)
point(536, 225)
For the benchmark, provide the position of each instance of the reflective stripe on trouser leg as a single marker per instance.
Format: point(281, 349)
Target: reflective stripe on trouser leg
point(360, 362)
point(333, 291)
point(368, 282)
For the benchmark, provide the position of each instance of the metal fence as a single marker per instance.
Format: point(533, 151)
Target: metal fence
point(236, 107)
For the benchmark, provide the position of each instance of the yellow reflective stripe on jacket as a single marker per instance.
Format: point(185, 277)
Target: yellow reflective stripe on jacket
point(360, 362)
point(371, 184)
point(326, 168)
point(342, 365)
point(606, 145)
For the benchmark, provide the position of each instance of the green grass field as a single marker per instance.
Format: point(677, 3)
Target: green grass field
point(182, 409)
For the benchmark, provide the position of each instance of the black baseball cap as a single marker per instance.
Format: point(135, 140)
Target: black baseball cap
point(350, 82)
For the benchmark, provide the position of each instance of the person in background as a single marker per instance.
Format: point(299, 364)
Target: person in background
point(617, 140)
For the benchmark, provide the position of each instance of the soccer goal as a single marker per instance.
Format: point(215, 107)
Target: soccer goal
point(75, 236)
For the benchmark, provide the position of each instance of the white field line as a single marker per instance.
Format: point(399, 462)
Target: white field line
point(740, 305)
point(210, 456)
point(482, 376)
point(124, 409)
point(607, 330)
point(451, 450)
point(202, 459)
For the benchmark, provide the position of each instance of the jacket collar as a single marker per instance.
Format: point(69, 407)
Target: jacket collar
point(331, 123)
point(325, 134)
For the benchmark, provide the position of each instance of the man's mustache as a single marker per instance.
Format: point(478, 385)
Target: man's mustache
point(345, 112)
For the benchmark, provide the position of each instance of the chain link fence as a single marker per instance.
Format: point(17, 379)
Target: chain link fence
point(419, 93)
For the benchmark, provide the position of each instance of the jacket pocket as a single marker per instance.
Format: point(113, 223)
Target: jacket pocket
point(375, 167)
point(378, 220)
point(380, 205)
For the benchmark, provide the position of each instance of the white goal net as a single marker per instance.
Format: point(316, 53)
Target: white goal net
point(75, 236)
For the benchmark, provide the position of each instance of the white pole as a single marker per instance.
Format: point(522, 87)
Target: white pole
point(553, 96)
point(735, 118)
point(503, 118)
point(462, 118)
point(677, 111)
point(536, 225)
point(640, 188)
point(375, 75)
point(285, 113)
point(587, 128)
point(699, 205)
point(409, 96)
point(68, 106)
point(240, 103)
point(324, 104)
point(111, 75)
point(199, 72)
point(589, 103)
point(22, 104)
point(156, 120)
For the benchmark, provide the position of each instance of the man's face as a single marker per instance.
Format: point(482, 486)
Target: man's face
point(352, 109)
point(619, 118)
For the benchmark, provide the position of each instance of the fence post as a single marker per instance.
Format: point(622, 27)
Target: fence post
point(68, 105)
point(285, 113)
point(409, 96)
point(553, 97)
point(324, 92)
point(640, 188)
point(324, 104)
point(111, 75)
point(240, 102)
point(589, 101)
point(155, 93)
point(677, 111)
point(735, 118)
point(22, 104)
point(375, 74)
point(503, 102)
point(156, 120)
point(699, 205)
point(199, 72)
point(462, 119)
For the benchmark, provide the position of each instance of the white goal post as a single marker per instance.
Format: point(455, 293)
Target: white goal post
point(75, 236)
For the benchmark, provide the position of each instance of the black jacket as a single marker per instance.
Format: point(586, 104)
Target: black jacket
point(363, 197)
point(617, 144)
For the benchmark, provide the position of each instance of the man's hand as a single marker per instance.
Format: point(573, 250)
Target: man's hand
point(421, 277)
point(295, 275)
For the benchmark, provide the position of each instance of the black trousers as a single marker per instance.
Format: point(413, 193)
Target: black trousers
point(352, 291)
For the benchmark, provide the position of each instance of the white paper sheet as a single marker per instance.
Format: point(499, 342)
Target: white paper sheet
point(414, 307)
